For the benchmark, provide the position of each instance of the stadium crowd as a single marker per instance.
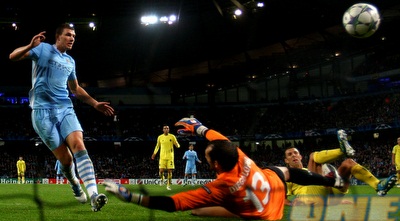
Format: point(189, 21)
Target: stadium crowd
point(131, 159)
point(376, 156)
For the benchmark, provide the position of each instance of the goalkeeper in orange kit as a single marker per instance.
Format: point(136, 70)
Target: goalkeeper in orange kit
point(241, 188)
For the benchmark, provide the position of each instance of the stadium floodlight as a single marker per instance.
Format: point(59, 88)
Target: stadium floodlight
point(240, 9)
point(149, 20)
point(164, 19)
point(92, 25)
point(238, 12)
point(172, 19)
point(76, 22)
point(14, 26)
point(9, 23)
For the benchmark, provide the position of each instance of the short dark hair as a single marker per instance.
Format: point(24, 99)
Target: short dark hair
point(287, 148)
point(61, 27)
point(225, 152)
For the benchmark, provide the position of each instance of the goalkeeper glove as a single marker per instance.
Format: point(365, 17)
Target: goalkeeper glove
point(191, 127)
point(122, 192)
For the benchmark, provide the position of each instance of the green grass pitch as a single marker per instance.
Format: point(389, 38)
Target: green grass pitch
point(56, 202)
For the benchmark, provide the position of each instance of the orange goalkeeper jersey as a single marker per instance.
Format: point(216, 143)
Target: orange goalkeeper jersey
point(246, 190)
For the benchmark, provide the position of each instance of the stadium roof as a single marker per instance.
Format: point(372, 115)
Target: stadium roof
point(206, 38)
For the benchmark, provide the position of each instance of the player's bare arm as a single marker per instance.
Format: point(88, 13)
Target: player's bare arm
point(23, 52)
point(81, 94)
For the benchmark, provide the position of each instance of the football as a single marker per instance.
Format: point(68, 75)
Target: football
point(361, 20)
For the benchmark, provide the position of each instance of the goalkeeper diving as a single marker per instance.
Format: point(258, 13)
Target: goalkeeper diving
point(241, 188)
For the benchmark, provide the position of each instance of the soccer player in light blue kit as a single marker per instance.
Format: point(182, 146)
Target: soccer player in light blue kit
point(191, 158)
point(53, 116)
point(59, 175)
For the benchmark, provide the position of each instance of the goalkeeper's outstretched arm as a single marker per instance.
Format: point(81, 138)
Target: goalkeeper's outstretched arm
point(192, 126)
point(165, 203)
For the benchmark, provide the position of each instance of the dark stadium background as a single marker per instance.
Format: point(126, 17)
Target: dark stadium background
point(122, 47)
point(175, 71)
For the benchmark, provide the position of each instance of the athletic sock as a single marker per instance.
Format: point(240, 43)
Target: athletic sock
point(398, 177)
point(361, 173)
point(161, 174)
point(69, 173)
point(327, 156)
point(86, 171)
point(169, 178)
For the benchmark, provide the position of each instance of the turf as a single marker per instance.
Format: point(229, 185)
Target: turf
point(56, 202)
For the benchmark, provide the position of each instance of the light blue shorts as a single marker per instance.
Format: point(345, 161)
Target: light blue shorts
point(54, 125)
point(190, 169)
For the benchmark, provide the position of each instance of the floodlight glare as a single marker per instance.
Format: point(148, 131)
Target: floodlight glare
point(146, 20)
point(14, 26)
point(172, 18)
point(164, 19)
point(238, 12)
point(92, 25)
point(150, 20)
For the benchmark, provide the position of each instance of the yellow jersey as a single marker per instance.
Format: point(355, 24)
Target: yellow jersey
point(166, 143)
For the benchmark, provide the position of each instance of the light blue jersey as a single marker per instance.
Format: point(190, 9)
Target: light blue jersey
point(53, 116)
point(191, 158)
point(51, 70)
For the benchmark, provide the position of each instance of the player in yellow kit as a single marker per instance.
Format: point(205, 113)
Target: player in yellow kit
point(396, 159)
point(21, 167)
point(348, 168)
point(166, 143)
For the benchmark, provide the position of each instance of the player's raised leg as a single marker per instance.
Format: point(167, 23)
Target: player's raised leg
point(385, 185)
point(344, 144)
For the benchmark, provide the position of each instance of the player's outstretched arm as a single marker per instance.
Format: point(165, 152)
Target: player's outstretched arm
point(191, 126)
point(165, 203)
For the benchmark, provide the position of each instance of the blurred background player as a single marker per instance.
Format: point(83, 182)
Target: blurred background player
point(21, 168)
point(348, 168)
point(190, 169)
point(396, 160)
point(59, 174)
point(166, 143)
